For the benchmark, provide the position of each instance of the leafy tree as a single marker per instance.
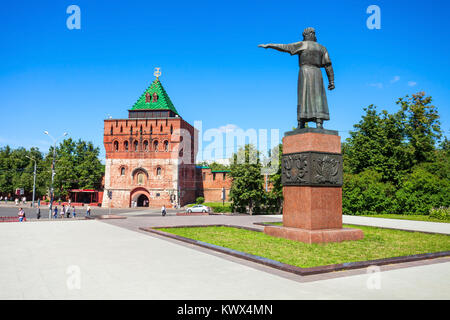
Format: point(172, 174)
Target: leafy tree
point(392, 163)
point(247, 189)
point(378, 143)
point(76, 166)
point(422, 126)
point(275, 195)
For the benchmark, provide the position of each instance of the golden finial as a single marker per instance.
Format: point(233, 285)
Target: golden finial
point(157, 73)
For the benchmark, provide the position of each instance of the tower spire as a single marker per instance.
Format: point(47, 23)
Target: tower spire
point(157, 73)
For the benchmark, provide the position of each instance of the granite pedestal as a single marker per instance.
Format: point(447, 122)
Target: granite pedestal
point(312, 188)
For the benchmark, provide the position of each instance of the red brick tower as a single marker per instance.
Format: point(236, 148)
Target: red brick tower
point(150, 157)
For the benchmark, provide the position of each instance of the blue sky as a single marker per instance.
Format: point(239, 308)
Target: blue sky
point(56, 79)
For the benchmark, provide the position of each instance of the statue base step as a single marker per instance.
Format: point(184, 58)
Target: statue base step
point(314, 236)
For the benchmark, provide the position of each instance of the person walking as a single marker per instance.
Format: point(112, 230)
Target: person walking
point(38, 212)
point(55, 212)
point(163, 210)
point(88, 211)
point(74, 214)
point(21, 215)
point(68, 211)
point(63, 211)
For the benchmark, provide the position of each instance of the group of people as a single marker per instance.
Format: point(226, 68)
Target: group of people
point(66, 211)
point(17, 201)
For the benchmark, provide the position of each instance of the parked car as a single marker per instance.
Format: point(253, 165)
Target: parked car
point(198, 208)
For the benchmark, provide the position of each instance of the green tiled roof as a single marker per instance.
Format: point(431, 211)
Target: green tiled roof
point(163, 102)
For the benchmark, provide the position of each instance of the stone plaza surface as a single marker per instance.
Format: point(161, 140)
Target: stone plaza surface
point(96, 260)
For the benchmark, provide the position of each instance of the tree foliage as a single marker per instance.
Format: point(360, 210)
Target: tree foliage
point(247, 189)
point(397, 163)
point(77, 166)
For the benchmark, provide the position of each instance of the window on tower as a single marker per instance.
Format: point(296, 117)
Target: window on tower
point(155, 97)
point(155, 145)
point(166, 146)
point(125, 145)
point(136, 144)
point(116, 146)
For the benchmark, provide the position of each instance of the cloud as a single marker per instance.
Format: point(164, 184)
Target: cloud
point(412, 83)
point(378, 85)
point(228, 128)
point(395, 79)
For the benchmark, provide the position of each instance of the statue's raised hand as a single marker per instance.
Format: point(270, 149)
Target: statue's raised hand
point(331, 86)
point(265, 46)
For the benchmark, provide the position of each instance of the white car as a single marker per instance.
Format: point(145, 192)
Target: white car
point(198, 208)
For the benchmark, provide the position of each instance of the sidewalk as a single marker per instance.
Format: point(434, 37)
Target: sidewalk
point(424, 226)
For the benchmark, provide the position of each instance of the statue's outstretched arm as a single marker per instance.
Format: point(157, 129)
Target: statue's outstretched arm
point(289, 48)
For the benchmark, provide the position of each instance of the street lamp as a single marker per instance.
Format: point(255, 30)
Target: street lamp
point(34, 178)
point(53, 170)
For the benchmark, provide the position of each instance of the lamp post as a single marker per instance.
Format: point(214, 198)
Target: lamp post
point(53, 171)
point(34, 178)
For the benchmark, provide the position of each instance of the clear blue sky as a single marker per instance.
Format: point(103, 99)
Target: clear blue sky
point(56, 79)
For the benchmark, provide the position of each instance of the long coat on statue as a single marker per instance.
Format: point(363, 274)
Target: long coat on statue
point(312, 99)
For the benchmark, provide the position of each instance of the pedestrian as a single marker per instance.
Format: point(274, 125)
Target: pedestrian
point(16, 201)
point(73, 211)
point(63, 211)
point(88, 211)
point(163, 210)
point(39, 202)
point(38, 212)
point(55, 214)
point(21, 215)
point(68, 211)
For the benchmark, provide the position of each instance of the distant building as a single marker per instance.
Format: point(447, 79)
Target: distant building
point(150, 157)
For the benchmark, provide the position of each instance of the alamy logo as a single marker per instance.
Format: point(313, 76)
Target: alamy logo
point(74, 277)
point(74, 20)
point(374, 278)
point(374, 20)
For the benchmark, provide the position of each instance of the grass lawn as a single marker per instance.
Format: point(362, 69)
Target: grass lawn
point(405, 217)
point(377, 243)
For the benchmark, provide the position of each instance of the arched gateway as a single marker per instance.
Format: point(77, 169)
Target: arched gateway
point(140, 197)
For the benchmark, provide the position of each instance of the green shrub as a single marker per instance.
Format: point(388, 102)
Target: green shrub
point(219, 207)
point(364, 193)
point(420, 191)
point(199, 200)
point(441, 213)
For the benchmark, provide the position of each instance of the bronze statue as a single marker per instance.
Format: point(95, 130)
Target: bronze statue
point(312, 99)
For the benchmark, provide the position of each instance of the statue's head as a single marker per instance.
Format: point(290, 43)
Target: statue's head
point(309, 34)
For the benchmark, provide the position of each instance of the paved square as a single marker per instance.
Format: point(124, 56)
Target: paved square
point(46, 260)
